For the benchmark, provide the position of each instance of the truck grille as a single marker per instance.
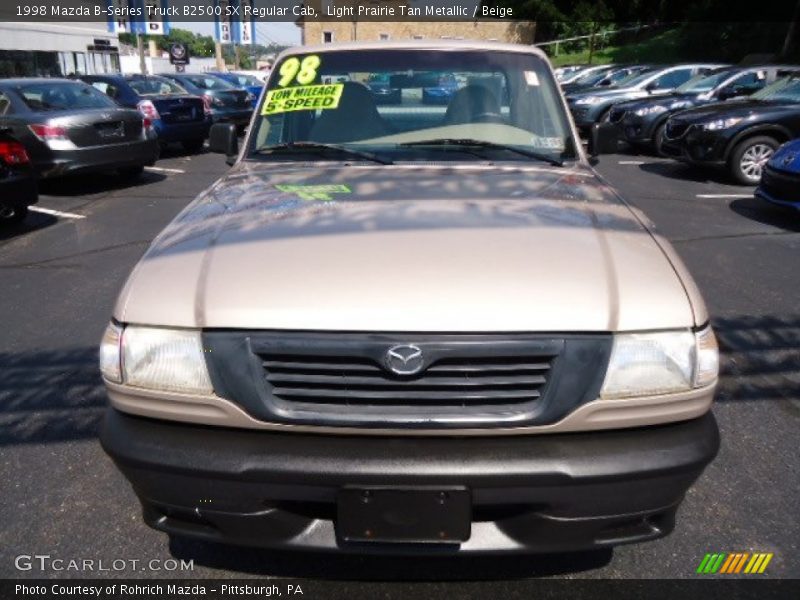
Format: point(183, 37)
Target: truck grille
point(447, 382)
point(374, 380)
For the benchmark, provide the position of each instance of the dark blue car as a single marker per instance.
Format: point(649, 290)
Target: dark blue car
point(240, 80)
point(445, 85)
point(780, 180)
point(227, 103)
point(174, 114)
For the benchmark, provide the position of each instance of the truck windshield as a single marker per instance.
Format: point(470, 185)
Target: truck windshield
point(469, 104)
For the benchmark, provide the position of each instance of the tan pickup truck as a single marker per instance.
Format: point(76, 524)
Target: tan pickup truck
point(411, 318)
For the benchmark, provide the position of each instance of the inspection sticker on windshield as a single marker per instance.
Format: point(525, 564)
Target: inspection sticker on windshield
point(551, 143)
point(531, 78)
point(304, 97)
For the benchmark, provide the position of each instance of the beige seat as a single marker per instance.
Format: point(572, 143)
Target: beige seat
point(356, 118)
point(472, 104)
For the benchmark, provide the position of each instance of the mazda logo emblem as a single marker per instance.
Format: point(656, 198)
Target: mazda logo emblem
point(788, 159)
point(404, 359)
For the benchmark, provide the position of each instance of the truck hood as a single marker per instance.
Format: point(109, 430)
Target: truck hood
point(407, 248)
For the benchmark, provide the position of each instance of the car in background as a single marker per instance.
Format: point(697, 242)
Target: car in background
point(738, 136)
point(442, 91)
point(68, 127)
point(18, 188)
point(580, 72)
point(226, 102)
point(380, 86)
point(780, 179)
point(642, 122)
point(564, 72)
point(593, 106)
point(244, 81)
point(261, 74)
point(601, 78)
point(174, 114)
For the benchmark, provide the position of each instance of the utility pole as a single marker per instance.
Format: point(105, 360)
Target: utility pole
point(218, 54)
point(140, 49)
point(591, 41)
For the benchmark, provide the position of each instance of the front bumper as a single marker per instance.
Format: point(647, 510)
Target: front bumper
point(55, 163)
point(586, 115)
point(698, 147)
point(542, 493)
point(637, 130)
point(779, 187)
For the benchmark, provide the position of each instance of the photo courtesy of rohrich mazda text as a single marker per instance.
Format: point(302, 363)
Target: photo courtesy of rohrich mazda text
point(349, 298)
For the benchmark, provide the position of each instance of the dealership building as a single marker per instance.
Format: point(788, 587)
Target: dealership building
point(57, 49)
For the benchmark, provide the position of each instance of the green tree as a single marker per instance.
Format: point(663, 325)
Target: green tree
point(198, 45)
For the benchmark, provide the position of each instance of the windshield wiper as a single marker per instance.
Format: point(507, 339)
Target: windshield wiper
point(491, 145)
point(318, 147)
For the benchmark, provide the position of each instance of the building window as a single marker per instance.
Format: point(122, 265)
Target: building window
point(327, 37)
point(384, 37)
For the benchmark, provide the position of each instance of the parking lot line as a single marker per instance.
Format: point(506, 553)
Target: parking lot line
point(632, 162)
point(725, 195)
point(56, 213)
point(164, 170)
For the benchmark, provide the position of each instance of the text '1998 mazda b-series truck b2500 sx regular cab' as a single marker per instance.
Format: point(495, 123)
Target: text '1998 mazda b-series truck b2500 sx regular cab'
point(411, 328)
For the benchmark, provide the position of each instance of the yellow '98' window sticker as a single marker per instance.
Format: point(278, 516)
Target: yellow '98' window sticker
point(296, 90)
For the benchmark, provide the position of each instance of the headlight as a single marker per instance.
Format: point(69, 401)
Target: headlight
point(217, 101)
point(251, 97)
point(154, 358)
point(650, 110)
point(721, 124)
point(588, 100)
point(111, 353)
point(648, 364)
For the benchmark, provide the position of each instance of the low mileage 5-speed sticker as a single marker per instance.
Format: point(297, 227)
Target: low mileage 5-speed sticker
point(305, 97)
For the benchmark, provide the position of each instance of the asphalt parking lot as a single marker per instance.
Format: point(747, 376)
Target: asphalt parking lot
point(62, 496)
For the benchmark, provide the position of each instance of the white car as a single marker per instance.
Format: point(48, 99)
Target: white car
point(261, 75)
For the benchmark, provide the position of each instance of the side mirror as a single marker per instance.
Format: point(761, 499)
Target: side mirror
point(604, 140)
point(223, 139)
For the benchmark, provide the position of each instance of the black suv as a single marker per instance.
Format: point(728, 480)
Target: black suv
point(642, 122)
point(740, 136)
point(594, 105)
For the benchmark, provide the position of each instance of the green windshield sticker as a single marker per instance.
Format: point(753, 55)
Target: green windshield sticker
point(314, 192)
point(306, 97)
